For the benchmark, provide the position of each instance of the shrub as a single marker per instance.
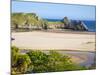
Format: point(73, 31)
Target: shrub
point(14, 55)
point(37, 62)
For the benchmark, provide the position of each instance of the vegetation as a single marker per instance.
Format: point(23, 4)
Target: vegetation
point(37, 62)
point(28, 20)
point(56, 22)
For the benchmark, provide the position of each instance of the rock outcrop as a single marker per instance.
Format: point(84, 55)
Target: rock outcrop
point(74, 24)
point(78, 25)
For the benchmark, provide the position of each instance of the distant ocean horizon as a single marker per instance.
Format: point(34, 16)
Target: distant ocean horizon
point(91, 24)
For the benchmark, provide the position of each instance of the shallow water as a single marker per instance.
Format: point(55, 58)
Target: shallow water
point(88, 57)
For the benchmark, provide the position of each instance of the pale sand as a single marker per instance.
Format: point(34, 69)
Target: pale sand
point(49, 40)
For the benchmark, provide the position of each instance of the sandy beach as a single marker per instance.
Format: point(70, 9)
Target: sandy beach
point(80, 46)
point(49, 40)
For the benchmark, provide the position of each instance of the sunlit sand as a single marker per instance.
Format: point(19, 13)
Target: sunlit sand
point(49, 40)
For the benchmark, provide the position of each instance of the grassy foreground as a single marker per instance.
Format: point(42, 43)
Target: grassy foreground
point(39, 62)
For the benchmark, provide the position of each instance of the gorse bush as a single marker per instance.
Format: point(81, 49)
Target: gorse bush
point(36, 62)
point(23, 62)
point(37, 57)
point(14, 55)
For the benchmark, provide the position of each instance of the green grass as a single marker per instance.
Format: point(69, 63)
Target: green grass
point(57, 22)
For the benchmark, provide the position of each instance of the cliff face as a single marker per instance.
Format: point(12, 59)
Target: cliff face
point(74, 24)
point(31, 21)
point(78, 25)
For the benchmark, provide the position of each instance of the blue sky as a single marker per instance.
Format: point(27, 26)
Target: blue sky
point(55, 11)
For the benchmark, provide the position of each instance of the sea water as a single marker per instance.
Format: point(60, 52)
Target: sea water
point(91, 24)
